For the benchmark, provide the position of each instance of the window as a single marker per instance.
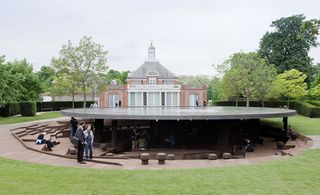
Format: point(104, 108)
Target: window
point(152, 81)
point(132, 98)
point(154, 99)
point(169, 98)
point(163, 98)
point(145, 98)
point(113, 99)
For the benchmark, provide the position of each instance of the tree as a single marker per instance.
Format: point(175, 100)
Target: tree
point(291, 84)
point(64, 84)
point(46, 76)
point(85, 63)
point(120, 77)
point(263, 86)
point(18, 82)
point(249, 75)
point(287, 47)
point(315, 87)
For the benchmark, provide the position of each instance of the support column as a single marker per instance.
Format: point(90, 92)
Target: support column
point(98, 126)
point(285, 124)
point(114, 133)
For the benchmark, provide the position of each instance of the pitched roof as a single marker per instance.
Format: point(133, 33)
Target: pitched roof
point(152, 66)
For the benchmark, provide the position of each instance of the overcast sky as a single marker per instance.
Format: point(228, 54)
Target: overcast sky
point(189, 36)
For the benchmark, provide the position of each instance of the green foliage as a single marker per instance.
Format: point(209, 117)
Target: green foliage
point(46, 76)
point(291, 84)
point(288, 45)
point(249, 75)
point(120, 77)
point(316, 103)
point(307, 109)
point(18, 82)
point(28, 108)
point(56, 106)
point(10, 109)
point(215, 89)
point(85, 63)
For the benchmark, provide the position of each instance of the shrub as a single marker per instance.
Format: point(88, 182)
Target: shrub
point(28, 108)
point(56, 106)
point(10, 109)
point(307, 109)
point(315, 103)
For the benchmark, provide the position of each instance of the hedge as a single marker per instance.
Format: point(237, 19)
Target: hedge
point(315, 103)
point(28, 108)
point(272, 104)
point(302, 107)
point(56, 106)
point(307, 109)
point(10, 109)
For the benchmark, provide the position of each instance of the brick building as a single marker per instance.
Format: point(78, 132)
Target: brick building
point(153, 85)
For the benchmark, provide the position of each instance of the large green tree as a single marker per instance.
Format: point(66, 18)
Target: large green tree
point(248, 75)
point(291, 84)
point(288, 45)
point(18, 82)
point(85, 63)
point(46, 76)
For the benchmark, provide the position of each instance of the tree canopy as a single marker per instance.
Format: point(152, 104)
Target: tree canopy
point(291, 84)
point(46, 76)
point(18, 82)
point(248, 75)
point(85, 63)
point(287, 47)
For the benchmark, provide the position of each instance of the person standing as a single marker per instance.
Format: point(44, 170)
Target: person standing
point(88, 133)
point(73, 126)
point(81, 143)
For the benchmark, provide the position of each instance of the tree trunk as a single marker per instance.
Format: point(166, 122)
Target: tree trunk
point(236, 102)
point(262, 103)
point(247, 101)
point(288, 102)
point(84, 94)
point(72, 98)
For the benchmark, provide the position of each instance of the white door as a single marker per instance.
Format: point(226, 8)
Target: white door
point(113, 100)
point(193, 99)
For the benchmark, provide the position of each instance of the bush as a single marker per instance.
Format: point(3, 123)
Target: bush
point(272, 104)
point(10, 109)
point(303, 108)
point(315, 103)
point(307, 109)
point(28, 108)
point(57, 106)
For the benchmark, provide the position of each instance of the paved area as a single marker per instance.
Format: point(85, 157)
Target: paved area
point(11, 148)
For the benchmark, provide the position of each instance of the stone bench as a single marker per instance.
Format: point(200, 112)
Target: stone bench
point(226, 155)
point(145, 157)
point(161, 157)
point(212, 156)
point(171, 157)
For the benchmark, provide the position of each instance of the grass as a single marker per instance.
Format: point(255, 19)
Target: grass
point(301, 124)
point(293, 175)
point(20, 119)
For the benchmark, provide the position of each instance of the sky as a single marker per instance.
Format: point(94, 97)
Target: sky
point(189, 36)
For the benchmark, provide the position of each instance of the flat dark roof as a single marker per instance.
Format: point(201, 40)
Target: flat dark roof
point(178, 113)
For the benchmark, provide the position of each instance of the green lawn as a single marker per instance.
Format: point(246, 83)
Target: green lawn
point(301, 124)
point(20, 119)
point(293, 175)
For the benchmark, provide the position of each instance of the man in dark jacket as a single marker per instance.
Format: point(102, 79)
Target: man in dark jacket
point(80, 136)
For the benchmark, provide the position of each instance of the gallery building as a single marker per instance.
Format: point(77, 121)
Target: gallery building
point(152, 84)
